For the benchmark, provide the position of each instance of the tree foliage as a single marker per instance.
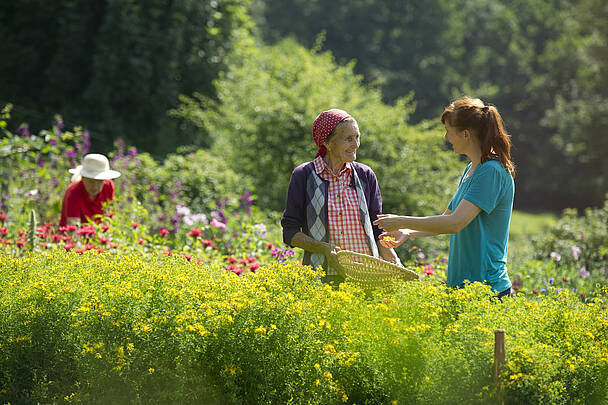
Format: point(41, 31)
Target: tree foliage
point(262, 123)
point(117, 66)
point(542, 63)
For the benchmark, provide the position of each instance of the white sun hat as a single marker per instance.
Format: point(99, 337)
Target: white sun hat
point(95, 166)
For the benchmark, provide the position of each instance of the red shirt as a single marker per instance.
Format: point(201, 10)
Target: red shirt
point(78, 204)
point(343, 214)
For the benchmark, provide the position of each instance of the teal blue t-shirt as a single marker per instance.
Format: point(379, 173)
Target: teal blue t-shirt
point(479, 251)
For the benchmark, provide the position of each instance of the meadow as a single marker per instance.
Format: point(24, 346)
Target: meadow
point(183, 292)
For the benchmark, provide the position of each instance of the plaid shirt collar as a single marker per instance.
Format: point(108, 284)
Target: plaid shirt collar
point(323, 170)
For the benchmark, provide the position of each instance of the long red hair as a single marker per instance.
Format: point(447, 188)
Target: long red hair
point(486, 123)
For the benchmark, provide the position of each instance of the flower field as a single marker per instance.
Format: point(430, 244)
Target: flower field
point(122, 328)
point(183, 292)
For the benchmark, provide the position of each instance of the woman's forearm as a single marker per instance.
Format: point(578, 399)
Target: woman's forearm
point(307, 243)
point(429, 226)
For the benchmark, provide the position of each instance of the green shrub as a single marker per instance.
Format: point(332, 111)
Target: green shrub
point(100, 328)
point(578, 242)
point(263, 117)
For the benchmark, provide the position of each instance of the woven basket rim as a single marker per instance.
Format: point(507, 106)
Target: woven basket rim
point(372, 271)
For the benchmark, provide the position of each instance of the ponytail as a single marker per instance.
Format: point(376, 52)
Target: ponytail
point(485, 121)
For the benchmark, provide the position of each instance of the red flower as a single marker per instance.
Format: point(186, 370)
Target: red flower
point(110, 214)
point(87, 230)
point(269, 245)
point(238, 272)
point(68, 247)
point(89, 246)
point(21, 242)
point(44, 245)
point(49, 224)
point(195, 233)
point(242, 261)
point(56, 238)
point(200, 260)
point(2, 216)
point(141, 241)
point(535, 291)
point(105, 227)
point(231, 259)
point(21, 232)
point(565, 279)
point(114, 245)
point(168, 252)
point(207, 242)
point(188, 257)
point(428, 270)
point(71, 228)
point(163, 232)
point(103, 240)
point(253, 266)
point(79, 251)
point(251, 259)
point(134, 225)
point(4, 231)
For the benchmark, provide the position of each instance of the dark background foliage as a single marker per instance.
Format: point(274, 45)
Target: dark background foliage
point(117, 68)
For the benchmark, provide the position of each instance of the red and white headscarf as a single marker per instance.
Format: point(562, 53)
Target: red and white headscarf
point(324, 124)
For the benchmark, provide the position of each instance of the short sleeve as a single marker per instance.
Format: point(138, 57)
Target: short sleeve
point(486, 187)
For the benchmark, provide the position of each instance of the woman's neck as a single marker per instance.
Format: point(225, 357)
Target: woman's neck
point(475, 156)
point(335, 165)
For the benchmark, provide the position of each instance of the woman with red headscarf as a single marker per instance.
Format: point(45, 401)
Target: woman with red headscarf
point(332, 201)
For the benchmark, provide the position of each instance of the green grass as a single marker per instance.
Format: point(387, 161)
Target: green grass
point(524, 225)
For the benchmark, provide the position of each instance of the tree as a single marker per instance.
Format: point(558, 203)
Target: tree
point(263, 117)
point(117, 66)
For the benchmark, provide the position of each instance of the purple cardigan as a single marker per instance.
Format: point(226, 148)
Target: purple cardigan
point(294, 217)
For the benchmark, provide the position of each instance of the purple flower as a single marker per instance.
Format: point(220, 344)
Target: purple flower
point(24, 130)
point(133, 152)
point(52, 142)
point(40, 161)
point(583, 272)
point(421, 255)
point(575, 251)
point(551, 281)
point(58, 122)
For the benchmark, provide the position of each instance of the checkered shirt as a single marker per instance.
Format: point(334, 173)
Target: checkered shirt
point(343, 213)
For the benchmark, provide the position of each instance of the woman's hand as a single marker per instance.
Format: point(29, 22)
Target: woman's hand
point(332, 259)
point(395, 238)
point(388, 222)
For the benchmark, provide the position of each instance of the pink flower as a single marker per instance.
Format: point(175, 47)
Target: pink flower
point(195, 233)
point(4, 231)
point(428, 270)
point(555, 256)
point(217, 224)
point(134, 225)
point(575, 252)
point(583, 273)
point(103, 240)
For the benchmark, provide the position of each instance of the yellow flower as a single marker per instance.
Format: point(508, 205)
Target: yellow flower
point(151, 370)
point(317, 366)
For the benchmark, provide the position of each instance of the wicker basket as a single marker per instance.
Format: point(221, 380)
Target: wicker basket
point(370, 271)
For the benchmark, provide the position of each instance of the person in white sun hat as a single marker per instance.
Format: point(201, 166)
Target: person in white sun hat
point(92, 186)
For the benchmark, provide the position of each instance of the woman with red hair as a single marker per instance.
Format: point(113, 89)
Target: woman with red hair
point(479, 214)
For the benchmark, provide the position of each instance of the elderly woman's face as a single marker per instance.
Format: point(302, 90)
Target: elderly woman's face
point(344, 142)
